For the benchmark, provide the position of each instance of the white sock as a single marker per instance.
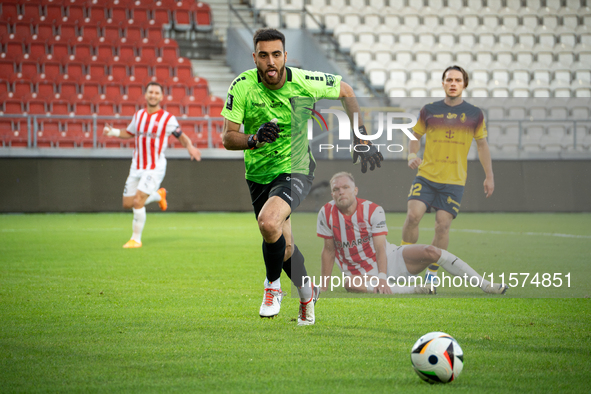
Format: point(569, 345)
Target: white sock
point(396, 289)
point(153, 198)
point(276, 284)
point(139, 219)
point(305, 292)
point(457, 267)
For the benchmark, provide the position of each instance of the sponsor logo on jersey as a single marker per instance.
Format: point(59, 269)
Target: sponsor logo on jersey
point(259, 105)
point(276, 104)
point(451, 116)
point(229, 102)
point(350, 244)
point(438, 116)
point(330, 79)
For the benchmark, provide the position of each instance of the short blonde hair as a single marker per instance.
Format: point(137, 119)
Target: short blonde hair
point(340, 174)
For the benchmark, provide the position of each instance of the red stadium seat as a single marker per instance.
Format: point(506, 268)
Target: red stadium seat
point(67, 31)
point(96, 12)
point(194, 109)
point(96, 70)
point(90, 90)
point(7, 68)
point(139, 14)
point(60, 106)
point(140, 72)
point(5, 131)
point(82, 107)
point(152, 34)
point(128, 108)
point(53, 12)
point(182, 19)
point(214, 106)
point(37, 49)
point(45, 90)
point(4, 27)
point(147, 52)
point(13, 106)
point(126, 53)
point(75, 13)
point(28, 69)
point(22, 88)
point(162, 17)
point(184, 71)
point(10, 11)
point(90, 33)
point(118, 71)
point(47, 133)
point(111, 33)
point(104, 52)
point(105, 107)
point(111, 90)
point(32, 10)
point(68, 90)
point(4, 89)
point(131, 34)
point(169, 49)
point(161, 71)
point(117, 14)
point(134, 91)
point(176, 91)
point(173, 108)
point(79, 132)
point(74, 70)
point(43, 31)
point(58, 49)
point(198, 88)
point(202, 16)
point(50, 69)
point(13, 47)
point(36, 106)
point(23, 30)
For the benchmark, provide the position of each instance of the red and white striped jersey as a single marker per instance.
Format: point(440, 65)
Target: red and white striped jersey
point(353, 235)
point(151, 133)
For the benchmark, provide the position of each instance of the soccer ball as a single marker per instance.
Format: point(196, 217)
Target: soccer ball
point(437, 358)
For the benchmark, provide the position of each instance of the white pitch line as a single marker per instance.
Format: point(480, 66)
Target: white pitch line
point(507, 233)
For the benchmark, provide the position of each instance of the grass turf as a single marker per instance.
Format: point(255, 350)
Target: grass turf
point(80, 314)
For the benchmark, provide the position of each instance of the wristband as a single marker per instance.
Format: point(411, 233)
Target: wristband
point(114, 132)
point(383, 275)
point(252, 142)
point(412, 156)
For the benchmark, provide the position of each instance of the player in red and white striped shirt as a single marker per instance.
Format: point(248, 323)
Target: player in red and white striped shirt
point(151, 128)
point(354, 232)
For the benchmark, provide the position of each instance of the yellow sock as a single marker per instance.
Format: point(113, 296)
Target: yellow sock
point(402, 243)
point(432, 268)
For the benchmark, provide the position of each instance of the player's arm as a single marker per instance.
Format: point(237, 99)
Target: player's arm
point(413, 148)
point(233, 139)
point(380, 243)
point(327, 258)
point(372, 155)
point(486, 161)
point(185, 141)
point(108, 130)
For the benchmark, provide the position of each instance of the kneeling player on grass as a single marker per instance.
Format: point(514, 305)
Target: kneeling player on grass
point(354, 232)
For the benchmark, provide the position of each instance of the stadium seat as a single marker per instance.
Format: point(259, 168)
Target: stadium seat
point(133, 91)
point(58, 50)
point(60, 106)
point(131, 34)
point(147, 52)
point(118, 71)
point(35, 106)
point(44, 89)
point(21, 88)
point(13, 106)
point(198, 88)
point(128, 108)
point(90, 90)
point(117, 14)
point(47, 133)
point(68, 89)
point(161, 71)
point(174, 108)
point(126, 53)
point(183, 71)
point(139, 15)
point(176, 91)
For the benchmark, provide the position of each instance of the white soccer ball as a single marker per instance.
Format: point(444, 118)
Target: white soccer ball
point(437, 358)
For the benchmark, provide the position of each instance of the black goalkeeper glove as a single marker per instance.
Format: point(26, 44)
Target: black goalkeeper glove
point(371, 156)
point(267, 133)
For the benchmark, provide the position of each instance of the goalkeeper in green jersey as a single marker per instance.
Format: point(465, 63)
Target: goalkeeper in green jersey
point(279, 164)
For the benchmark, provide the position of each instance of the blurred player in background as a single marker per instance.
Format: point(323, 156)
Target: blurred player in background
point(354, 232)
point(279, 165)
point(449, 126)
point(150, 127)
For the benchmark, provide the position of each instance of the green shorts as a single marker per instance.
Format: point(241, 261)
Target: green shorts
point(437, 195)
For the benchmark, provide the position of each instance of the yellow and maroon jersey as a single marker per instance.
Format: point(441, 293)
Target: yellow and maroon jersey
point(449, 133)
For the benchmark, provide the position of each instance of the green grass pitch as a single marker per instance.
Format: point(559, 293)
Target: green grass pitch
point(80, 314)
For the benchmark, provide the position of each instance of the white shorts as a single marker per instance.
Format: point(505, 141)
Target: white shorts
point(147, 181)
point(396, 264)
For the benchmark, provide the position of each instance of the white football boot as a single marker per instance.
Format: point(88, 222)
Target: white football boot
point(271, 303)
point(306, 313)
point(496, 288)
point(425, 289)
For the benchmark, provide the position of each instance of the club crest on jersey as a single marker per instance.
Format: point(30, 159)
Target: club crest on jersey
point(330, 79)
point(463, 118)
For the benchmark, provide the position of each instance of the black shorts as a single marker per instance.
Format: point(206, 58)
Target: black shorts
point(291, 188)
point(437, 195)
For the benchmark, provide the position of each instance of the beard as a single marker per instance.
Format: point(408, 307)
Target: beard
point(271, 80)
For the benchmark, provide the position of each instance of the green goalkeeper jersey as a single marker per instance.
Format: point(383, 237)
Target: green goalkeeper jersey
point(250, 102)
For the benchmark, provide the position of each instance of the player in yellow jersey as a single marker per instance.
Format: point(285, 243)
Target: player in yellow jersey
point(449, 126)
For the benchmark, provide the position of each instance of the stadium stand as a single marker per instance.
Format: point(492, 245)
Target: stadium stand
point(73, 58)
